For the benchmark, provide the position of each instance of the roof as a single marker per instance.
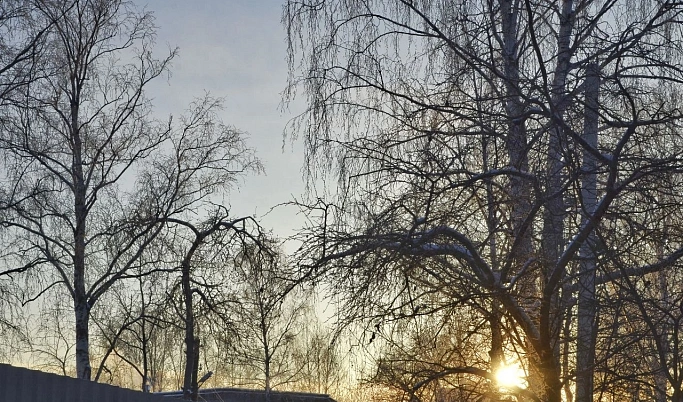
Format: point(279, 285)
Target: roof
point(250, 395)
point(20, 384)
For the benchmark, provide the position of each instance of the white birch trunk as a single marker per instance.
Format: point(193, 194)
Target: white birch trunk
point(83, 369)
point(585, 343)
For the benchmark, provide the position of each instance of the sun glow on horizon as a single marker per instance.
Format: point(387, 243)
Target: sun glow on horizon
point(510, 376)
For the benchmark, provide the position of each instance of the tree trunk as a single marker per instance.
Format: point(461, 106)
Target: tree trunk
point(267, 357)
point(520, 188)
point(660, 368)
point(81, 306)
point(194, 395)
point(82, 311)
point(585, 342)
point(190, 347)
point(554, 214)
point(146, 383)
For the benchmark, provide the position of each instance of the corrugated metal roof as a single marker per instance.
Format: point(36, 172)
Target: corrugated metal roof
point(18, 384)
point(250, 395)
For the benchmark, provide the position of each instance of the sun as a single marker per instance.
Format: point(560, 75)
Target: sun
point(510, 376)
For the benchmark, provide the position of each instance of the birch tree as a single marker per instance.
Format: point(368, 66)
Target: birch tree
point(97, 184)
point(318, 355)
point(72, 137)
point(269, 315)
point(182, 191)
point(499, 154)
point(202, 281)
point(134, 326)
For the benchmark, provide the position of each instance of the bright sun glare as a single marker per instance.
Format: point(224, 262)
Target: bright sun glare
point(510, 376)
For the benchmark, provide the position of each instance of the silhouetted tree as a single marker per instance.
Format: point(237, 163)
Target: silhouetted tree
point(269, 313)
point(498, 154)
point(179, 191)
point(70, 140)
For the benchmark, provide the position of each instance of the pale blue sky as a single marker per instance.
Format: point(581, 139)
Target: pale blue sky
point(235, 49)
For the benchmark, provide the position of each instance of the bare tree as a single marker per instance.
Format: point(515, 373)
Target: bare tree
point(73, 136)
point(269, 313)
point(180, 191)
point(318, 355)
point(93, 186)
point(499, 154)
point(216, 235)
point(134, 326)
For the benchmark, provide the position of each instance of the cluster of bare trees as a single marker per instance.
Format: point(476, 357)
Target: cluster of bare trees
point(509, 178)
point(508, 195)
point(119, 254)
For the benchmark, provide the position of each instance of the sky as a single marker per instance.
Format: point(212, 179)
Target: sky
point(236, 49)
